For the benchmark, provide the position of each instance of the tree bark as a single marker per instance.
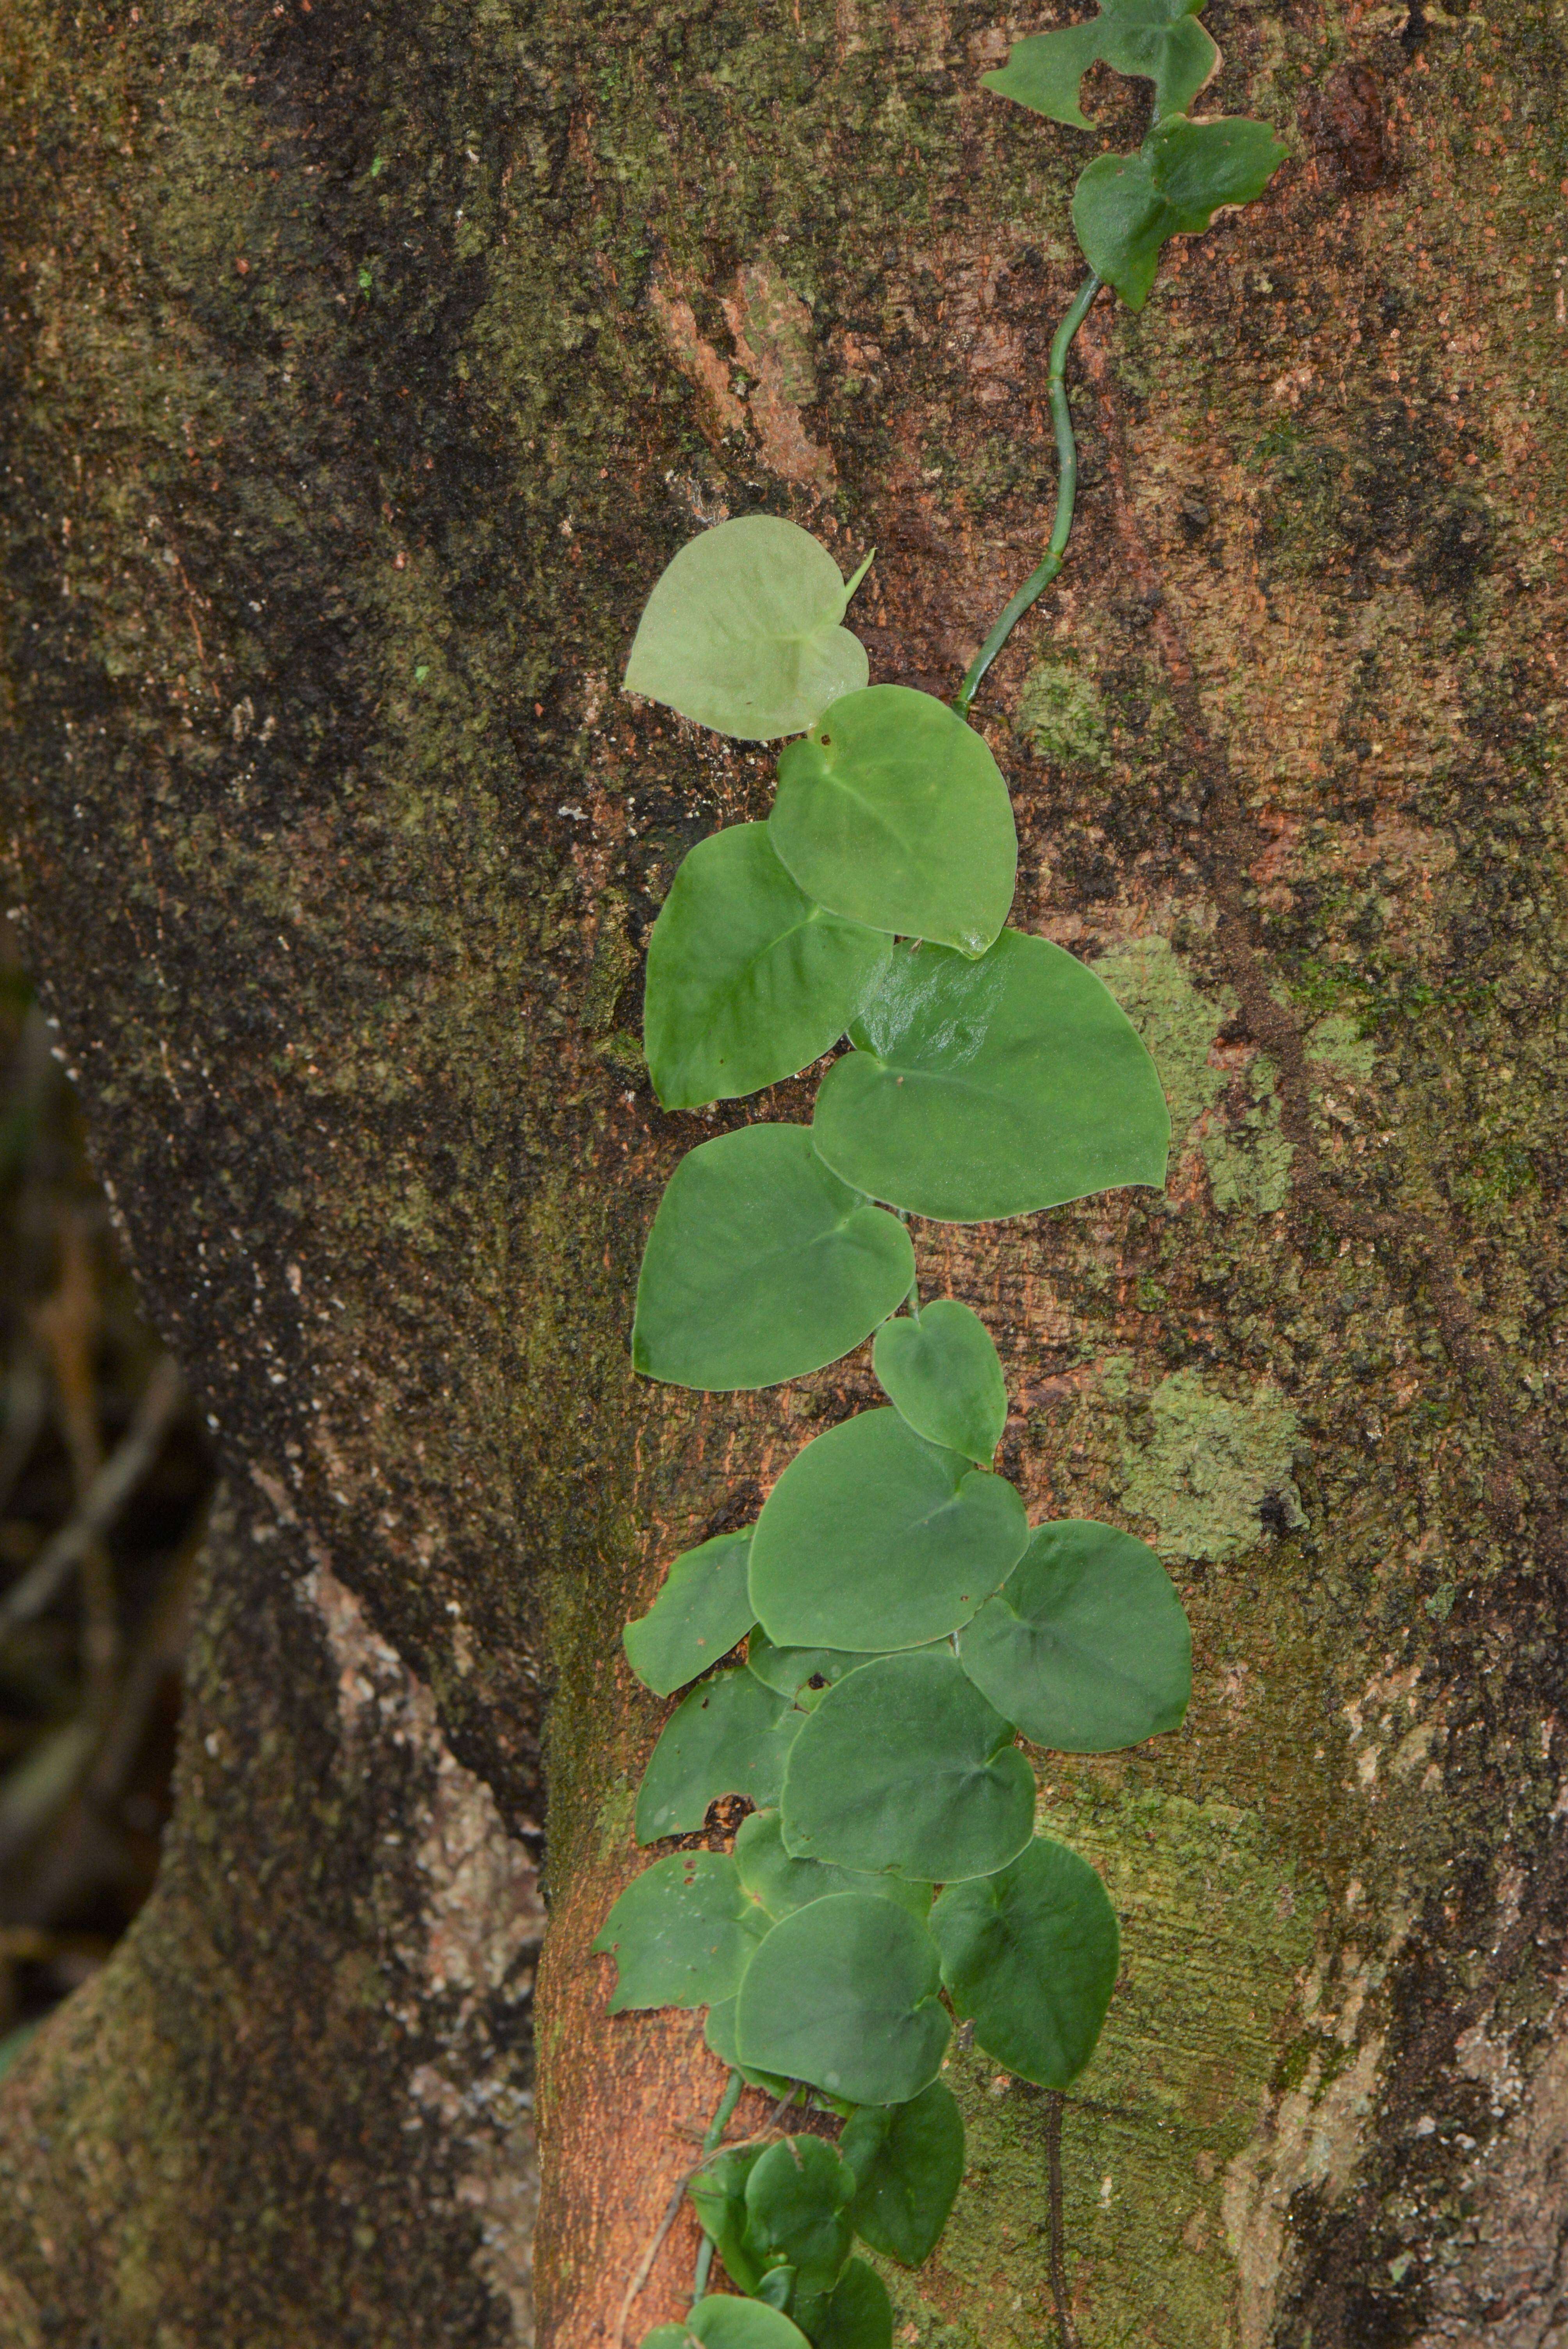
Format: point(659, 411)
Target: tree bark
point(363, 366)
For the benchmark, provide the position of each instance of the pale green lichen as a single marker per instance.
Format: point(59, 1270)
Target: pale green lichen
point(1249, 1163)
point(1336, 1043)
point(1178, 1025)
point(1060, 718)
point(1209, 1466)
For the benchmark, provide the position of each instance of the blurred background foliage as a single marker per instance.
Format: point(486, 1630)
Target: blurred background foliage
point(104, 1480)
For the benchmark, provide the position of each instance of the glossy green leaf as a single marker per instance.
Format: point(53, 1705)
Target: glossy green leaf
point(718, 2195)
point(893, 813)
point(857, 2315)
point(1155, 39)
point(792, 1671)
point(704, 1608)
point(1086, 1648)
point(843, 1994)
point(874, 1539)
point(779, 1884)
point(742, 631)
point(1030, 1957)
point(762, 1266)
point(908, 2161)
point(905, 1767)
point(681, 1933)
point(729, 1736)
point(797, 2200)
point(723, 2320)
point(942, 1375)
point(991, 1088)
point(1126, 207)
point(748, 980)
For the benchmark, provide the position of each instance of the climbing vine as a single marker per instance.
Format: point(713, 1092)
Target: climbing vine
point(901, 1622)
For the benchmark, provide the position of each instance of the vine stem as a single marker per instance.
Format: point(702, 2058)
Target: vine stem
point(716, 2130)
point(1054, 2176)
point(1066, 494)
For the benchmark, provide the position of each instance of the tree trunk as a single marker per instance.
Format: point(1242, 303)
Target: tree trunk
point(363, 367)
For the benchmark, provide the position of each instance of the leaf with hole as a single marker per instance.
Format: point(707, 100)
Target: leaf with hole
point(681, 1933)
point(1086, 1648)
point(893, 813)
point(843, 1994)
point(905, 1767)
point(798, 2201)
point(779, 1884)
point(941, 1374)
point(729, 1736)
point(792, 1671)
point(762, 1266)
point(1157, 40)
point(994, 1087)
point(857, 2313)
point(704, 1608)
point(1127, 207)
point(1030, 1957)
point(874, 1539)
point(742, 631)
point(748, 980)
point(908, 2161)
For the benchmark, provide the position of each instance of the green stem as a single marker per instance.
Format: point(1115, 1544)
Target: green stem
point(716, 2130)
point(1067, 493)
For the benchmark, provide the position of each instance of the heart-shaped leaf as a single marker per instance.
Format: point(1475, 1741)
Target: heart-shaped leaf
point(874, 1539)
point(762, 1266)
point(748, 980)
point(792, 1671)
point(1030, 1957)
point(681, 1933)
point(1086, 1648)
point(908, 2161)
point(1126, 207)
point(941, 1374)
point(843, 1994)
point(893, 813)
point(779, 1884)
point(718, 2195)
point(905, 1767)
point(742, 631)
point(724, 2321)
point(857, 2315)
point(1155, 39)
point(797, 2200)
point(729, 1736)
point(704, 1608)
point(991, 1088)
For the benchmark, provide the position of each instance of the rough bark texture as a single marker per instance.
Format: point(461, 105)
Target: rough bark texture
point(362, 366)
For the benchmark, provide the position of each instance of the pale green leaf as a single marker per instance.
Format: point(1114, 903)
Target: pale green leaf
point(893, 813)
point(843, 1994)
point(724, 2321)
point(779, 1884)
point(704, 1608)
point(905, 1766)
point(742, 631)
point(729, 1736)
point(762, 1266)
point(681, 1933)
point(797, 2200)
point(987, 1088)
point(908, 2161)
point(748, 980)
point(792, 1671)
point(1086, 1647)
point(1030, 1957)
point(857, 2313)
point(941, 1373)
point(874, 1539)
